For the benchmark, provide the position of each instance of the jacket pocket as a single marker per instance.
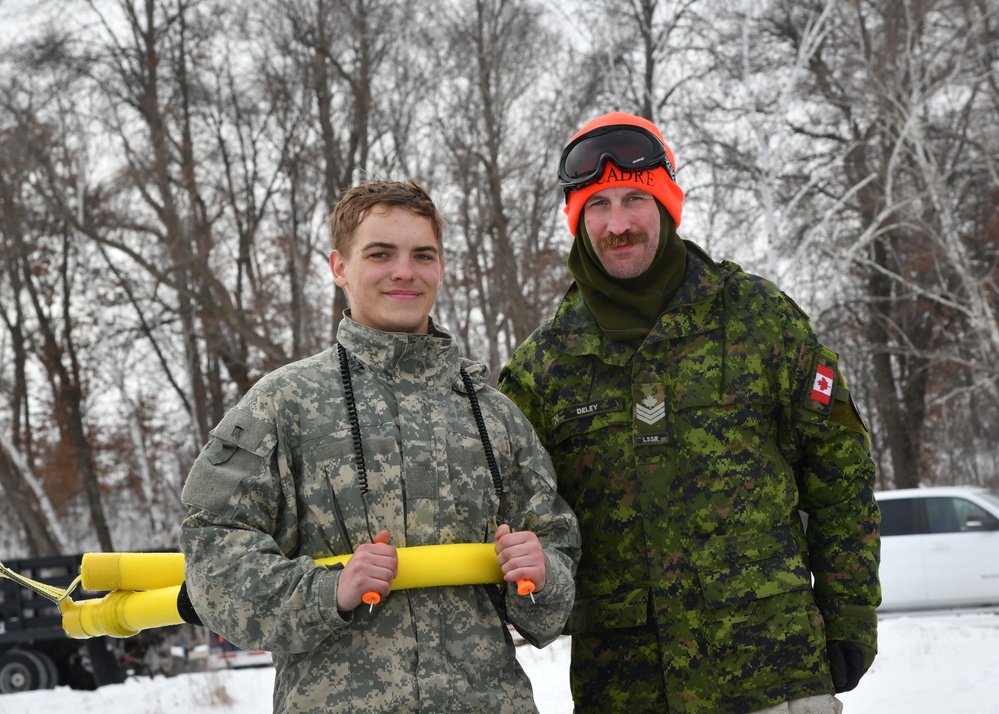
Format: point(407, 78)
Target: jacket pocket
point(763, 631)
point(608, 612)
point(749, 566)
point(773, 647)
point(333, 515)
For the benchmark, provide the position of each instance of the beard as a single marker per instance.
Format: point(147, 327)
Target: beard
point(609, 242)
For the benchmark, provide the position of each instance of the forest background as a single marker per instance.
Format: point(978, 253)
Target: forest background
point(166, 167)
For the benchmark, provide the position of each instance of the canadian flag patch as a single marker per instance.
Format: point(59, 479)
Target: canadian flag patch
point(823, 386)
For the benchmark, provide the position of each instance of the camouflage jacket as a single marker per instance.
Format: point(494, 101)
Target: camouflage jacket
point(686, 460)
point(277, 486)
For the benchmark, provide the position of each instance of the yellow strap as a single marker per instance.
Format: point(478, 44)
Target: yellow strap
point(47, 591)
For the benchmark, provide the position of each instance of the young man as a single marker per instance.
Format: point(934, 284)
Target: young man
point(386, 440)
point(691, 413)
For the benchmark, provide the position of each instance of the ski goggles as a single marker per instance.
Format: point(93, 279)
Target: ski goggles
point(630, 147)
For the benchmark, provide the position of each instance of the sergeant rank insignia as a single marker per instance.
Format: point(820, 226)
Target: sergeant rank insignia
point(649, 410)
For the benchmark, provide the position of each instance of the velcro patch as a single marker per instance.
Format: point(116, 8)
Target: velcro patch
point(819, 397)
point(579, 411)
point(822, 386)
point(651, 427)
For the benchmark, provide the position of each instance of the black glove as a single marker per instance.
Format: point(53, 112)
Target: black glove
point(848, 661)
point(185, 608)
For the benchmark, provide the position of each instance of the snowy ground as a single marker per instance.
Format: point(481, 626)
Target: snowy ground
point(927, 665)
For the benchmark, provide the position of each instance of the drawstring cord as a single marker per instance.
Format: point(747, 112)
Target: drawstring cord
point(480, 423)
point(355, 434)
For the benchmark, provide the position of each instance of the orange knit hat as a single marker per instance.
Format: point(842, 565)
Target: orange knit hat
point(655, 181)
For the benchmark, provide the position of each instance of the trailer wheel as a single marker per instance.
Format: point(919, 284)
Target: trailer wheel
point(50, 668)
point(23, 671)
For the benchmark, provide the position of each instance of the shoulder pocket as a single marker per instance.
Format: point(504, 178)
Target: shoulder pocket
point(250, 433)
point(239, 445)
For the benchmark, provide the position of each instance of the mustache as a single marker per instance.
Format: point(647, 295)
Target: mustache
point(612, 241)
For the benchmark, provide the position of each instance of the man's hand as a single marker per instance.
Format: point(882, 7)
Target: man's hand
point(520, 556)
point(371, 568)
point(848, 661)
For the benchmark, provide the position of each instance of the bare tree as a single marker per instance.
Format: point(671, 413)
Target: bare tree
point(25, 499)
point(902, 87)
point(44, 268)
point(646, 47)
point(29, 504)
point(499, 62)
point(337, 54)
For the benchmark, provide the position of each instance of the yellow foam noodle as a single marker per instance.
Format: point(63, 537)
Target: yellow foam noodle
point(131, 571)
point(420, 566)
point(145, 586)
point(426, 566)
point(121, 613)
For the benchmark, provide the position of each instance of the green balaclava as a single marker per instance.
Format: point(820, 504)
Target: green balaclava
point(627, 308)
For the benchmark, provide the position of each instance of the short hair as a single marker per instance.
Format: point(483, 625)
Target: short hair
point(355, 204)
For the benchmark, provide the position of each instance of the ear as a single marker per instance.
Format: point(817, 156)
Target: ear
point(440, 280)
point(338, 268)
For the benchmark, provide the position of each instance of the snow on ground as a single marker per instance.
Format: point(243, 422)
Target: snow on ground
point(927, 665)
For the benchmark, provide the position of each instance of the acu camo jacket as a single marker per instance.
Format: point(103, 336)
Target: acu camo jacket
point(277, 487)
point(686, 460)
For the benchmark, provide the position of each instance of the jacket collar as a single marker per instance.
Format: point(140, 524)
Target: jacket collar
point(702, 281)
point(405, 357)
point(397, 354)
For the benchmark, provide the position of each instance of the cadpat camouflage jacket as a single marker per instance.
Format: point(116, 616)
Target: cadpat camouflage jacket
point(686, 461)
point(277, 487)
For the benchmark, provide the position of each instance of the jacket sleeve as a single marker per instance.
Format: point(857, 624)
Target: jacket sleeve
point(531, 502)
point(836, 482)
point(520, 381)
point(240, 525)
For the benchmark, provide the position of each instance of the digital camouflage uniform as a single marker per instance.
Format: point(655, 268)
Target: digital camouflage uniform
point(265, 493)
point(686, 461)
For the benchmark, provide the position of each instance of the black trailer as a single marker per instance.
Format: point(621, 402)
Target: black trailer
point(35, 652)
